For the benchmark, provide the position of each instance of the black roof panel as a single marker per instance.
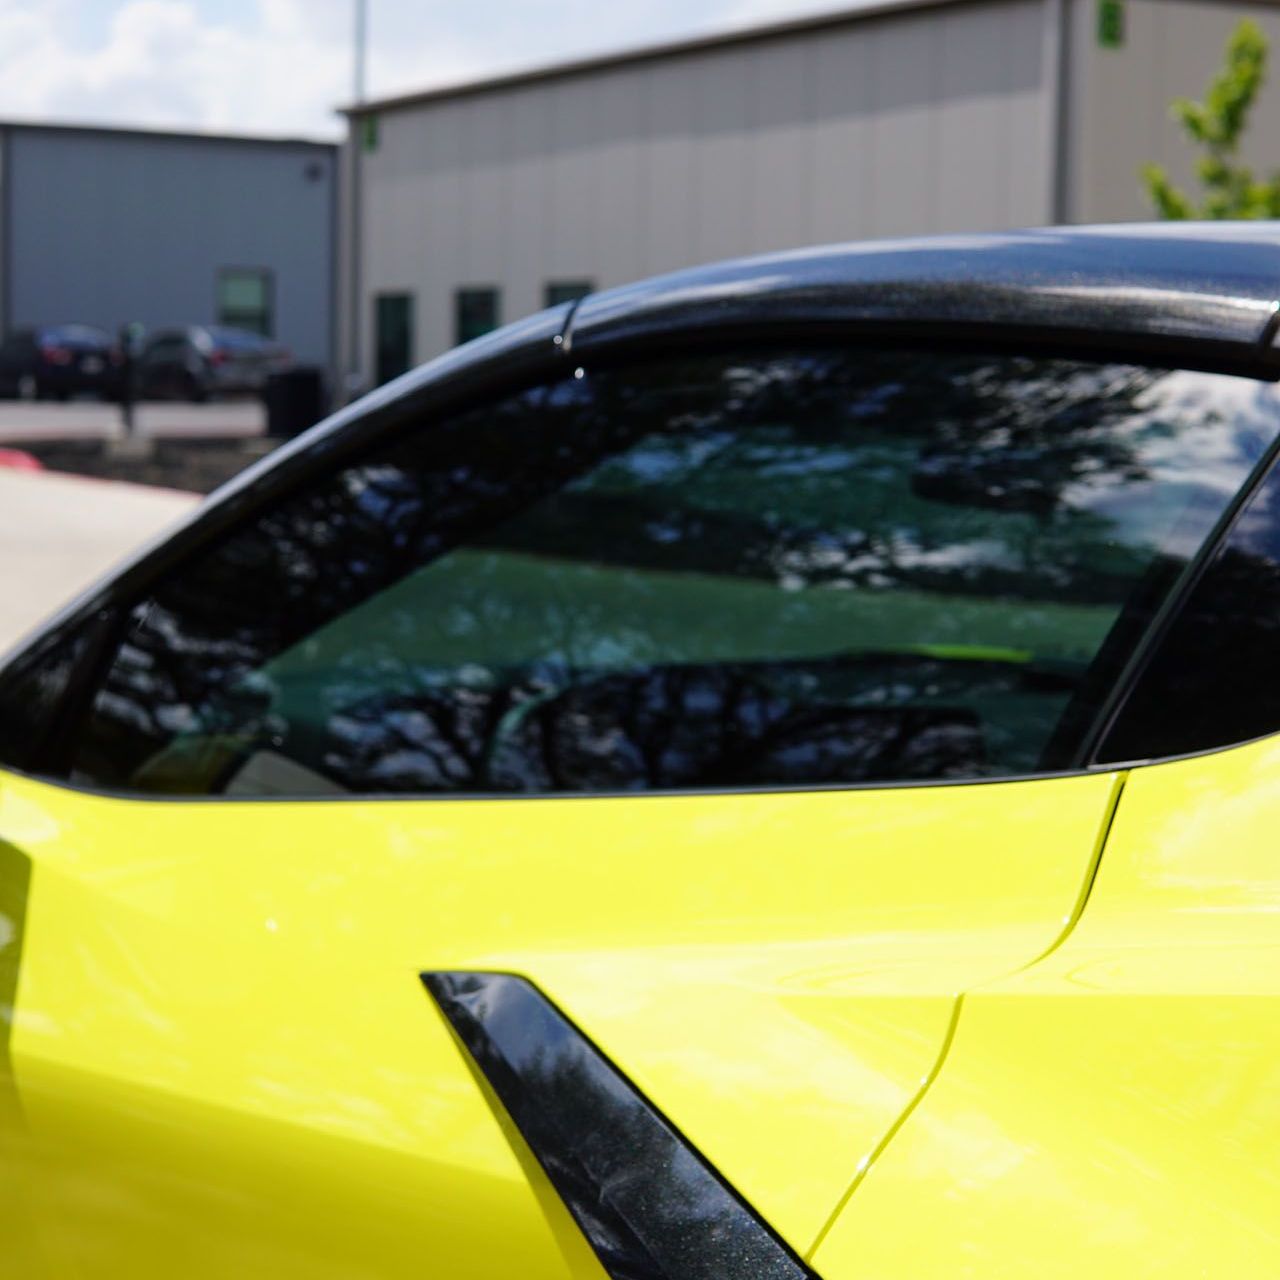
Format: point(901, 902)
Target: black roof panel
point(1179, 288)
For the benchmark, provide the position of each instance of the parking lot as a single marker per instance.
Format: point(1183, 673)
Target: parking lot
point(91, 419)
point(58, 534)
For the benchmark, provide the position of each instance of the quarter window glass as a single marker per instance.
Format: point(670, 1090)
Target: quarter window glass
point(769, 570)
point(1213, 680)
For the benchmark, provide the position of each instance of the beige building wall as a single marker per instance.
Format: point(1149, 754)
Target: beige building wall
point(900, 124)
point(1118, 115)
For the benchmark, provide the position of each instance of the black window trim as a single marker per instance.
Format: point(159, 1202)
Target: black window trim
point(482, 375)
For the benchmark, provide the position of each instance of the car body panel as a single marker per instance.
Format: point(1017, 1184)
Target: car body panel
point(1113, 1111)
point(219, 1014)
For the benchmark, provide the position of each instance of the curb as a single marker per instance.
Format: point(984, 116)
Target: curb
point(19, 460)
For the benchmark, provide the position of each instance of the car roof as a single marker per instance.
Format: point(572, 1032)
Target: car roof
point(1160, 287)
point(229, 336)
point(71, 334)
point(74, 334)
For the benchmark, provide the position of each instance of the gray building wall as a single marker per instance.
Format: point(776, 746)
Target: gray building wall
point(1118, 112)
point(105, 227)
point(4, 232)
point(895, 124)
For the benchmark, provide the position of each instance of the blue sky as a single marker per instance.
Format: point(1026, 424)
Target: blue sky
point(280, 66)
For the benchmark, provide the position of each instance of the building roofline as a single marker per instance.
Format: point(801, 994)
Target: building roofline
point(178, 135)
point(733, 38)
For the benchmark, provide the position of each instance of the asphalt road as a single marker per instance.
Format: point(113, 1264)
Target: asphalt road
point(90, 419)
point(59, 534)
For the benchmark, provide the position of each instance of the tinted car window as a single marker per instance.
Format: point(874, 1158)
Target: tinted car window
point(1213, 680)
point(162, 350)
point(797, 569)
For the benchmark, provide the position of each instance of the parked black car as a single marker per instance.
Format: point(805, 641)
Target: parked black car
point(59, 361)
point(200, 361)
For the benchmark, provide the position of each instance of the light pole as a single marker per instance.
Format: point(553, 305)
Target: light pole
point(355, 141)
point(361, 47)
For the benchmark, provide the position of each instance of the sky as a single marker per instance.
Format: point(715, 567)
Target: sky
point(282, 66)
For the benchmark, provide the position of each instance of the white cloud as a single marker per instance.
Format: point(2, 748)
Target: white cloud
point(163, 62)
point(281, 66)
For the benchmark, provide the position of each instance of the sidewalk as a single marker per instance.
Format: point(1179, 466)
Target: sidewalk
point(59, 534)
point(90, 420)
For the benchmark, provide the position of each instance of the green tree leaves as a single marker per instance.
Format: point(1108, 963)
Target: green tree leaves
point(1231, 189)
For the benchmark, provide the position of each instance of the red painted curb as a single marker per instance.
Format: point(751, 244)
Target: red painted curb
point(17, 460)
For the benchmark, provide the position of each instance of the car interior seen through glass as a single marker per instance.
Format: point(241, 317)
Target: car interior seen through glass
point(772, 569)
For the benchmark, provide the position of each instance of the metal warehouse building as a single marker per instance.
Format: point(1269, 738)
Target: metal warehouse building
point(110, 226)
point(474, 205)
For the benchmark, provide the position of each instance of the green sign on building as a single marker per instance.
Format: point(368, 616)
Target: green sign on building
point(1111, 23)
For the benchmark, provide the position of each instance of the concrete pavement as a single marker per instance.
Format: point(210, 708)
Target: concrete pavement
point(59, 534)
point(93, 420)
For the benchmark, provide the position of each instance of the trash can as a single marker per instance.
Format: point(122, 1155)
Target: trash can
point(295, 400)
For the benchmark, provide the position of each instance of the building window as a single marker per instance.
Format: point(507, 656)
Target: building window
point(245, 297)
point(393, 334)
point(475, 313)
point(559, 291)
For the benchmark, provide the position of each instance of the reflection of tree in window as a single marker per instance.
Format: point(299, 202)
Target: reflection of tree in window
point(790, 569)
point(1212, 680)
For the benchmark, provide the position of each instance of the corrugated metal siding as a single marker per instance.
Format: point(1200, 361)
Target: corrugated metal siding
point(1119, 100)
point(917, 122)
point(107, 228)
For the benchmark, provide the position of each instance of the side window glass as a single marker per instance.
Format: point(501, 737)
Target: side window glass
point(1213, 680)
point(802, 568)
point(34, 694)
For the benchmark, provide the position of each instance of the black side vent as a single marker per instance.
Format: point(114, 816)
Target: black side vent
point(650, 1205)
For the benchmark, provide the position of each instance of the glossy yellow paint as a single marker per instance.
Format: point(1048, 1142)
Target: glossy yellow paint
point(227, 1064)
point(1113, 1111)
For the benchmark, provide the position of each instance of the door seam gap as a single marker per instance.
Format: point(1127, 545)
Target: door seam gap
point(868, 1161)
point(1068, 927)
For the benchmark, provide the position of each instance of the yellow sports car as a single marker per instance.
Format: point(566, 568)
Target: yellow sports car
point(760, 774)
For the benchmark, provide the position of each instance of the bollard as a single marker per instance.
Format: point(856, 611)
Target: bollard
point(130, 337)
